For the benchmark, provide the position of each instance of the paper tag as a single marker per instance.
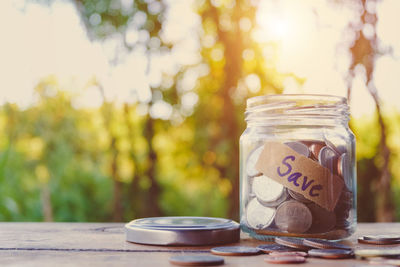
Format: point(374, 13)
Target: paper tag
point(300, 174)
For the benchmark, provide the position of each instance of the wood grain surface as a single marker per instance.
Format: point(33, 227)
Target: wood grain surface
point(103, 244)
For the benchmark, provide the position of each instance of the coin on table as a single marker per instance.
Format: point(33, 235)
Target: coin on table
point(235, 251)
point(291, 242)
point(293, 216)
point(288, 253)
point(331, 253)
point(377, 252)
point(378, 241)
point(284, 259)
point(387, 262)
point(252, 160)
point(324, 244)
point(268, 248)
point(259, 216)
point(196, 260)
point(328, 158)
point(387, 237)
point(299, 148)
point(322, 219)
point(298, 196)
point(267, 191)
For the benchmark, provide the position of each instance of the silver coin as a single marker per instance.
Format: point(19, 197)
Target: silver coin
point(259, 216)
point(343, 168)
point(252, 160)
point(299, 148)
point(327, 158)
point(333, 147)
point(267, 191)
point(293, 216)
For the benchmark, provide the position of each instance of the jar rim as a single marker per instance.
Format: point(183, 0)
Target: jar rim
point(251, 102)
point(297, 109)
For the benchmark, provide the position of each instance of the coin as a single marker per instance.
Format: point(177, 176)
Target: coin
point(293, 216)
point(389, 262)
point(363, 240)
point(259, 216)
point(196, 260)
point(235, 251)
point(289, 253)
point(384, 252)
point(324, 244)
point(267, 191)
point(252, 160)
point(332, 146)
point(322, 219)
point(331, 253)
point(268, 248)
point(298, 196)
point(328, 158)
point(299, 148)
point(315, 148)
point(291, 242)
point(387, 237)
point(284, 259)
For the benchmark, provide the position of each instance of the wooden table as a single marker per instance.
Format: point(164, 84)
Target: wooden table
point(103, 244)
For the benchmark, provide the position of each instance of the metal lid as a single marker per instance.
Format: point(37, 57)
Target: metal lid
point(193, 231)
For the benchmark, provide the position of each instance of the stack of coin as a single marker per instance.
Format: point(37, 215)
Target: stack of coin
point(271, 206)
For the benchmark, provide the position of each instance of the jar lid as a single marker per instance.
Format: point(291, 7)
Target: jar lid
point(192, 231)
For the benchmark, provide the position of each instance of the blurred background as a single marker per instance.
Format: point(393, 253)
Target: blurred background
point(112, 110)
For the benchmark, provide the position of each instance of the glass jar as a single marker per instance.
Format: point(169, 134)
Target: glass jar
point(297, 168)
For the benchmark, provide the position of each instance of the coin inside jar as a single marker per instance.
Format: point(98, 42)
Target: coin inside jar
point(299, 148)
point(315, 148)
point(322, 219)
point(267, 190)
point(259, 216)
point(327, 158)
point(298, 196)
point(293, 217)
point(252, 160)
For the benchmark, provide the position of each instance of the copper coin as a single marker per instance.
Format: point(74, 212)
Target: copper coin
point(268, 248)
point(291, 242)
point(328, 158)
point(235, 251)
point(363, 240)
point(322, 219)
point(324, 244)
point(299, 148)
point(196, 260)
point(331, 253)
point(288, 253)
point(298, 197)
point(315, 148)
point(293, 216)
point(284, 259)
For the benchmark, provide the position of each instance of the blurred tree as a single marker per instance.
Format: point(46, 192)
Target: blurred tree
point(365, 50)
